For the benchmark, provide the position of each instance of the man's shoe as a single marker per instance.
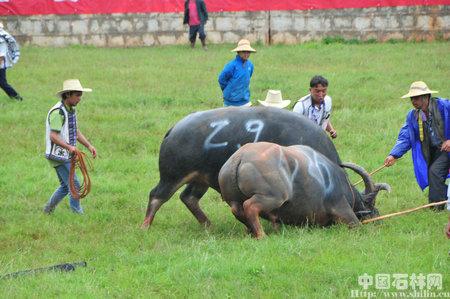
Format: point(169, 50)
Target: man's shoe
point(18, 98)
point(77, 210)
point(48, 209)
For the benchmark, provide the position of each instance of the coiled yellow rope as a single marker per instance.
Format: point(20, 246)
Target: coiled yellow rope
point(78, 161)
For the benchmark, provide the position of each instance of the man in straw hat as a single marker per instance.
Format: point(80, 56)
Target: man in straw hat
point(61, 138)
point(317, 104)
point(427, 132)
point(234, 80)
point(274, 99)
point(9, 55)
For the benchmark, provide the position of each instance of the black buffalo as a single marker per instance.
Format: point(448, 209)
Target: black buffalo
point(195, 149)
point(293, 185)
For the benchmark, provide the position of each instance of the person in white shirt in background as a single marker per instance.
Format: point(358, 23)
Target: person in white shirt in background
point(317, 105)
point(9, 55)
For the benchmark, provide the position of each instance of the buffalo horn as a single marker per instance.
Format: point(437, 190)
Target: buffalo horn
point(383, 186)
point(364, 174)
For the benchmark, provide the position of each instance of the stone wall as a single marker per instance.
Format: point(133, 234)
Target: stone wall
point(129, 30)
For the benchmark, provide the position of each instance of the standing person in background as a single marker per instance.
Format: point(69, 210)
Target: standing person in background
point(61, 137)
point(234, 80)
point(196, 15)
point(317, 105)
point(9, 55)
point(427, 133)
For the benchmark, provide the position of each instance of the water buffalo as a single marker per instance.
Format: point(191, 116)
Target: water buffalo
point(195, 149)
point(293, 185)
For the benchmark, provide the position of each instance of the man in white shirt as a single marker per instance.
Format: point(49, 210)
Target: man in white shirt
point(9, 55)
point(317, 105)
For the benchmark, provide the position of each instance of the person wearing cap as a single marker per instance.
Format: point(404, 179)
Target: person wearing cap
point(234, 80)
point(9, 55)
point(317, 104)
point(61, 137)
point(427, 133)
point(196, 16)
point(274, 99)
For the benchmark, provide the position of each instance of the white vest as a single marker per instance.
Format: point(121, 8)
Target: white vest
point(52, 150)
point(303, 106)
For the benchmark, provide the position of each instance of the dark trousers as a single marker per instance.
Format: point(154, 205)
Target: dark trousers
point(437, 173)
point(5, 86)
point(193, 30)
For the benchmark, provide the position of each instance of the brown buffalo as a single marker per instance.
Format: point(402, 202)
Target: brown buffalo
point(293, 185)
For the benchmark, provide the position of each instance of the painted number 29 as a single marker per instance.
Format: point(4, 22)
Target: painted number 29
point(252, 126)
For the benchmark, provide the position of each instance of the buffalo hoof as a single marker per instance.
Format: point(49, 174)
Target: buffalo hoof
point(146, 223)
point(260, 236)
point(206, 223)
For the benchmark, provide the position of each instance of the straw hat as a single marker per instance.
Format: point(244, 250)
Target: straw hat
point(274, 99)
point(243, 45)
point(418, 88)
point(72, 85)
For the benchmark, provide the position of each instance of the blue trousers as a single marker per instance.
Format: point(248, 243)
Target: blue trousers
point(62, 171)
point(193, 32)
point(5, 86)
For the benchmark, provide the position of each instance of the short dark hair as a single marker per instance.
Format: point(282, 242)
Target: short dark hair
point(69, 93)
point(316, 80)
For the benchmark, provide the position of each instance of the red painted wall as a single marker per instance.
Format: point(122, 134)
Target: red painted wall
point(61, 7)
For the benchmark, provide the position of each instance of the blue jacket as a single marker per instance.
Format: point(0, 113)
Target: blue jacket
point(408, 138)
point(234, 81)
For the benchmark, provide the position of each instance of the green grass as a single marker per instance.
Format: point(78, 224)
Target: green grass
point(138, 95)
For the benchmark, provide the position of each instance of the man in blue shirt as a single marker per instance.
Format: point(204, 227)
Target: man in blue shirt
point(234, 80)
point(427, 132)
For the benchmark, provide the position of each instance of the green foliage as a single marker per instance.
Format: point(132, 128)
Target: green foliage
point(341, 40)
point(138, 94)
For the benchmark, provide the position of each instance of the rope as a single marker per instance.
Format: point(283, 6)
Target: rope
point(404, 212)
point(78, 161)
point(370, 174)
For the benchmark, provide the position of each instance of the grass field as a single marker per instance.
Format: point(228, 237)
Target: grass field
point(138, 95)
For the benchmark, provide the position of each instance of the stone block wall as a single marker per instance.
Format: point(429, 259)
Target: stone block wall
point(131, 30)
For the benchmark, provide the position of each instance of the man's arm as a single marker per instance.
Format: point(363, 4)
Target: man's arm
point(56, 139)
point(203, 7)
point(225, 76)
point(83, 140)
point(186, 14)
point(402, 145)
point(330, 129)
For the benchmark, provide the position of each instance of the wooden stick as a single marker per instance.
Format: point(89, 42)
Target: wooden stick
point(404, 212)
point(372, 173)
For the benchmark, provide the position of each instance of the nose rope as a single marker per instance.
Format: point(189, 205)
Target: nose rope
point(78, 161)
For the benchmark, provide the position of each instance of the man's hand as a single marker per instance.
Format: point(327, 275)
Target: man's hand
point(389, 161)
point(333, 134)
point(93, 151)
point(71, 149)
point(446, 146)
